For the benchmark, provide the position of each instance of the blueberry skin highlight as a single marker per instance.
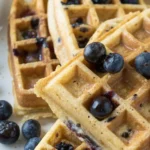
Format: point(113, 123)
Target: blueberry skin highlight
point(31, 128)
point(9, 132)
point(32, 143)
point(113, 63)
point(5, 110)
point(142, 64)
point(101, 107)
point(94, 52)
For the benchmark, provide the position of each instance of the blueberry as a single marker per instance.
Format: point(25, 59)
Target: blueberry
point(31, 128)
point(142, 64)
point(64, 146)
point(94, 52)
point(9, 132)
point(101, 107)
point(32, 143)
point(33, 56)
point(72, 2)
point(101, 1)
point(77, 22)
point(5, 110)
point(125, 135)
point(99, 66)
point(29, 34)
point(34, 23)
point(82, 42)
point(130, 1)
point(113, 63)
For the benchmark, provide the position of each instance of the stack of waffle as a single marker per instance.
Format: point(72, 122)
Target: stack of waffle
point(31, 55)
point(70, 90)
point(72, 26)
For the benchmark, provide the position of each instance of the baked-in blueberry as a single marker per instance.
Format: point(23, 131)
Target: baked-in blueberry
point(5, 110)
point(29, 34)
point(142, 64)
point(32, 143)
point(31, 128)
point(101, 1)
point(77, 22)
point(94, 52)
point(113, 63)
point(9, 132)
point(33, 56)
point(72, 2)
point(101, 107)
point(35, 23)
point(82, 42)
point(64, 146)
point(130, 1)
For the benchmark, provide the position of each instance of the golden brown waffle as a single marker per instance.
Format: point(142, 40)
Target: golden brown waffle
point(72, 88)
point(72, 26)
point(31, 54)
point(61, 133)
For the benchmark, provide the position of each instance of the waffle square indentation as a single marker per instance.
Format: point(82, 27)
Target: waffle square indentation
point(31, 75)
point(78, 82)
point(127, 128)
point(126, 83)
point(142, 104)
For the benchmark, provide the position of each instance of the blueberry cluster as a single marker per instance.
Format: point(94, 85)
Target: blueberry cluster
point(64, 146)
point(10, 132)
point(95, 53)
point(31, 131)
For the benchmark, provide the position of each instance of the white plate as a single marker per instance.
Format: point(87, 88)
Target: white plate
point(5, 78)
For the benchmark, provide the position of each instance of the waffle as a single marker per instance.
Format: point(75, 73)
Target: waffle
point(61, 133)
point(31, 55)
point(78, 22)
point(72, 88)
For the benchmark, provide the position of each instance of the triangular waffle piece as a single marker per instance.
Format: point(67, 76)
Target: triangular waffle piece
point(31, 54)
point(66, 133)
point(72, 26)
point(73, 87)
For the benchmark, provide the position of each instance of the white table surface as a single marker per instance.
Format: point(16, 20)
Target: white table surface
point(6, 80)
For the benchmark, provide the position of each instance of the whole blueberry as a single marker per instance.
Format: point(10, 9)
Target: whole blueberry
point(101, 107)
point(32, 143)
point(5, 110)
point(113, 63)
point(130, 1)
point(9, 132)
point(31, 128)
point(94, 52)
point(142, 64)
point(101, 1)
